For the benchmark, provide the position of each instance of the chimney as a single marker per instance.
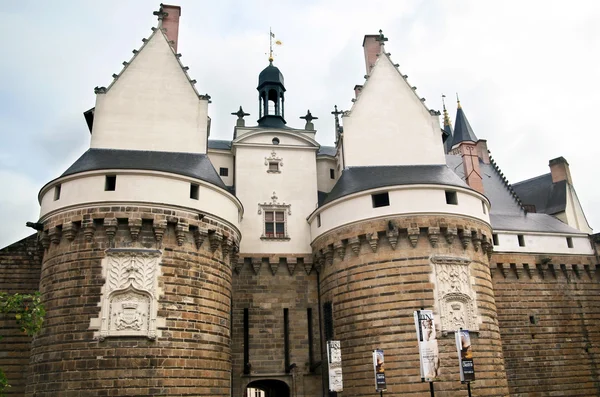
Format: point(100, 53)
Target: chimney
point(559, 168)
point(470, 161)
point(372, 47)
point(482, 151)
point(170, 22)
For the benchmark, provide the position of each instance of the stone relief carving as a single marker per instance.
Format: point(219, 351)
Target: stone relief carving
point(454, 294)
point(129, 302)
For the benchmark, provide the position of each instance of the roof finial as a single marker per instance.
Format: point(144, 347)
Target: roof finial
point(381, 38)
point(271, 36)
point(160, 14)
point(458, 101)
point(446, 117)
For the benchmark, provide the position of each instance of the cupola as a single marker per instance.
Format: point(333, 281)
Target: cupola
point(271, 97)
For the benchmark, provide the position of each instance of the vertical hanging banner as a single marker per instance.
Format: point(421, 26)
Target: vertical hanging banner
point(465, 356)
point(334, 361)
point(379, 367)
point(428, 347)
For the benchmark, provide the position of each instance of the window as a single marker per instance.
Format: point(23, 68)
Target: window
point(570, 242)
point(521, 240)
point(275, 224)
point(483, 206)
point(194, 191)
point(319, 220)
point(495, 239)
point(451, 198)
point(224, 171)
point(380, 200)
point(110, 183)
point(273, 166)
point(332, 173)
point(275, 141)
point(57, 192)
point(532, 320)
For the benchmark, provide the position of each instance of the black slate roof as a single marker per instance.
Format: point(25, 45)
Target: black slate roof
point(462, 128)
point(270, 75)
point(531, 222)
point(327, 151)
point(357, 179)
point(219, 144)
point(548, 197)
point(188, 164)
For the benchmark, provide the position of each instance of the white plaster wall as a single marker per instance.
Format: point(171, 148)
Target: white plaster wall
point(574, 212)
point(221, 159)
point(285, 138)
point(295, 185)
point(388, 124)
point(151, 188)
point(542, 243)
point(151, 106)
point(403, 200)
point(324, 181)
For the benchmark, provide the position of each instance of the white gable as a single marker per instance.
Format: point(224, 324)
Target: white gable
point(151, 106)
point(389, 125)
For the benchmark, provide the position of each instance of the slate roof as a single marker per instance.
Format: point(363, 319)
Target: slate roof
point(506, 213)
point(188, 164)
point(357, 179)
point(326, 151)
point(219, 144)
point(462, 128)
point(548, 197)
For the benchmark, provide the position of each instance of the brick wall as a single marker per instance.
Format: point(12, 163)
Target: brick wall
point(549, 316)
point(20, 265)
point(266, 287)
point(375, 288)
point(192, 357)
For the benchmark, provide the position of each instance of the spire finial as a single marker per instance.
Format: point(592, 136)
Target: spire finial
point(381, 39)
point(458, 101)
point(161, 14)
point(446, 117)
point(309, 118)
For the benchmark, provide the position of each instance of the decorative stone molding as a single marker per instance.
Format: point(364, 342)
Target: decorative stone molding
point(215, 238)
point(274, 159)
point(159, 226)
point(291, 265)
point(552, 269)
point(89, 229)
point(328, 253)
point(274, 205)
point(55, 235)
point(541, 270)
point(413, 234)
point(273, 266)
point(450, 234)
point(69, 230)
point(354, 243)
point(517, 268)
point(476, 238)
point(527, 269)
point(256, 264)
point(110, 228)
point(45, 239)
point(465, 237)
point(340, 248)
point(392, 233)
point(373, 239)
point(135, 227)
point(454, 293)
point(226, 245)
point(502, 269)
point(433, 233)
point(200, 235)
point(590, 271)
point(180, 232)
point(576, 271)
point(129, 301)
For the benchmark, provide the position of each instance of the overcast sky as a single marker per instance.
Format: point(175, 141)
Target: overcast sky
point(527, 73)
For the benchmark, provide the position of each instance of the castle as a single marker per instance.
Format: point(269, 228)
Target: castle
point(171, 264)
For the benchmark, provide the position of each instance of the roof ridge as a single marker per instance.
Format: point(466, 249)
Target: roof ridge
point(145, 41)
point(531, 179)
point(506, 183)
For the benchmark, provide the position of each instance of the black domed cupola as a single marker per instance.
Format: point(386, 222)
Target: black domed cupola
point(271, 97)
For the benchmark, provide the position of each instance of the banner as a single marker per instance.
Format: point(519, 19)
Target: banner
point(428, 347)
point(379, 367)
point(334, 361)
point(465, 356)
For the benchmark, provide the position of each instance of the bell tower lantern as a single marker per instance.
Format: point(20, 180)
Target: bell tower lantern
point(271, 97)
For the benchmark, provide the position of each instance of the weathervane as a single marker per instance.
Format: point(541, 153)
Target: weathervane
point(277, 42)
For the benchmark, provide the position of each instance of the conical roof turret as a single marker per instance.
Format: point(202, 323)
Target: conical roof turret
point(462, 128)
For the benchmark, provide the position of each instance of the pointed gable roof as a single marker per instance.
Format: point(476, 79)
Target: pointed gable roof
point(447, 130)
point(462, 128)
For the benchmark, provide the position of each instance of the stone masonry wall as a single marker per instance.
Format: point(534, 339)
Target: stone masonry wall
point(266, 286)
point(20, 265)
point(376, 273)
point(190, 352)
point(549, 316)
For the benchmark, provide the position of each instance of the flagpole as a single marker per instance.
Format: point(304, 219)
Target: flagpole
point(270, 45)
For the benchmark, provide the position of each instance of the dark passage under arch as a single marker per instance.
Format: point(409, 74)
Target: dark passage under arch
point(271, 387)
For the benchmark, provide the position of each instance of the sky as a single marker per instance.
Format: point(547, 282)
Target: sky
point(526, 72)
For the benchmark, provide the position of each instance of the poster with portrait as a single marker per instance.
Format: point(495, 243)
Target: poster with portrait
point(465, 356)
point(379, 368)
point(428, 346)
point(334, 362)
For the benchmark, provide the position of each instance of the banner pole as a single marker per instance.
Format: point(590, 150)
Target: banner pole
point(431, 391)
point(469, 388)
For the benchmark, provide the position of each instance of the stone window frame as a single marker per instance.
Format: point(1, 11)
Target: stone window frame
point(274, 206)
point(273, 163)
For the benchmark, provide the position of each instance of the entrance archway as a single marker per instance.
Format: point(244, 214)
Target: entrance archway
point(267, 388)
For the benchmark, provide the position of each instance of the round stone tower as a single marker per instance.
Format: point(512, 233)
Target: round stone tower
point(139, 235)
point(392, 240)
